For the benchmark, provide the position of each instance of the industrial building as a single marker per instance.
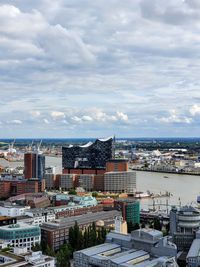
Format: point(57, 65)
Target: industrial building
point(140, 248)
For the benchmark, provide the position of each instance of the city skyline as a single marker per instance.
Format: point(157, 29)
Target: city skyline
point(98, 68)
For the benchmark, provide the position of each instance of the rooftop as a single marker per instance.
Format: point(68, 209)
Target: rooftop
point(130, 255)
point(124, 237)
point(194, 249)
point(117, 160)
point(106, 247)
point(127, 200)
point(81, 219)
point(2, 218)
point(19, 225)
point(27, 259)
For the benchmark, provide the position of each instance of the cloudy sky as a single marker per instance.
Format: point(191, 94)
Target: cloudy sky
point(85, 68)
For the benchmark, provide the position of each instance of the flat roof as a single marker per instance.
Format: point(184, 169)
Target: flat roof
point(127, 200)
point(129, 256)
point(19, 260)
point(117, 160)
point(99, 249)
point(194, 249)
point(124, 237)
point(81, 219)
point(19, 225)
point(150, 231)
point(2, 218)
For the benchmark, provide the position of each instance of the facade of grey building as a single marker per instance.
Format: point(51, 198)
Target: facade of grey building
point(66, 181)
point(184, 223)
point(49, 180)
point(193, 256)
point(140, 248)
point(120, 182)
point(86, 181)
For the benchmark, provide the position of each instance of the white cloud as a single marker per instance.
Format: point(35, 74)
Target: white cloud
point(57, 115)
point(76, 119)
point(35, 113)
point(87, 118)
point(46, 121)
point(122, 116)
point(195, 110)
point(16, 122)
point(174, 117)
point(137, 61)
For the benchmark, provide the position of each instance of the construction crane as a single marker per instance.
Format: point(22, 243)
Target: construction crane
point(11, 147)
point(30, 147)
point(38, 148)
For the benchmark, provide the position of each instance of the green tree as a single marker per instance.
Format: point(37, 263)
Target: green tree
point(167, 228)
point(72, 192)
point(100, 238)
point(130, 226)
point(103, 233)
point(80, 241)
point(94, 234)
point(37, 247)
point(71, 237)
point(63, 256)
point(43, 246)
point(95, 194)
point(136, 226)
point(85, 238)
point(156, 224)
point(49, 251)
point(76, 237)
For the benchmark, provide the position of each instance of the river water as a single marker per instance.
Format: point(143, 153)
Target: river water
point(184, 189)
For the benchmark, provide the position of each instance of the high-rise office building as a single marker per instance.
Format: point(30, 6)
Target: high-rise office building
point(34, 165)
point(92, 156)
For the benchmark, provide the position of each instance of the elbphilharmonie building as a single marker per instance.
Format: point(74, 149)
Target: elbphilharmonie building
point(92, 155)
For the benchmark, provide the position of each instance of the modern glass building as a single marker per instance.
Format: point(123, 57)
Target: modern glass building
point(130, 209)
point(88, 156)
point(21, 235)
point(40, 166)
point(34, 165)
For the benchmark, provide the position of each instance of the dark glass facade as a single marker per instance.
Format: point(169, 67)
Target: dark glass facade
point(34, 165)
point(41, 167)
point(90, 156)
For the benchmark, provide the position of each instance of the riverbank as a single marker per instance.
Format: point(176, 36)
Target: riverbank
point(171, 172)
